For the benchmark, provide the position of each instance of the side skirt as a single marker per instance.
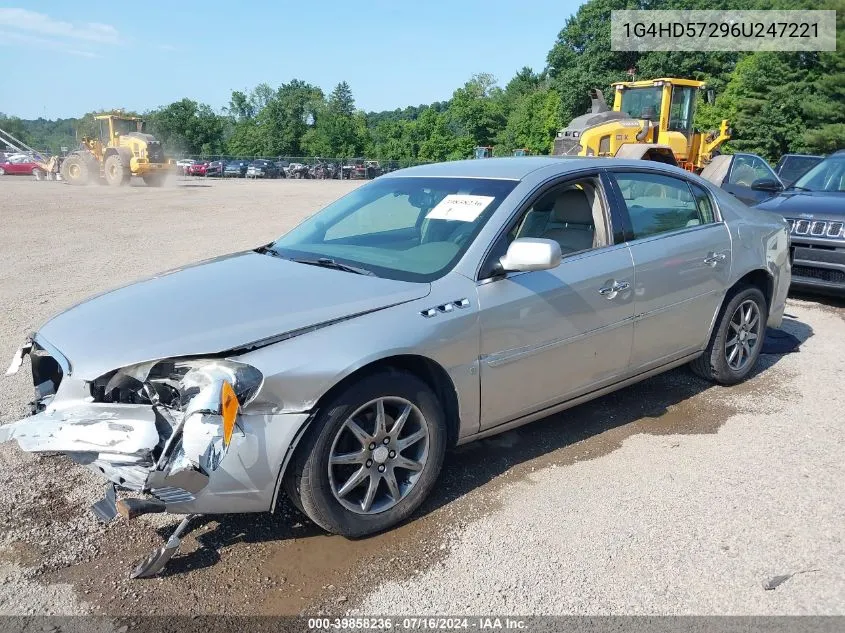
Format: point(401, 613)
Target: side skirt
point(568, 404)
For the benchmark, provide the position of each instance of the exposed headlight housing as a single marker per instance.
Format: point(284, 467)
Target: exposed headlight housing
point(200, 399)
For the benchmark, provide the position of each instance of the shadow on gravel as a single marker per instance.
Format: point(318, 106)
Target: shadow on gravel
point(215, 533)
point(662, 405)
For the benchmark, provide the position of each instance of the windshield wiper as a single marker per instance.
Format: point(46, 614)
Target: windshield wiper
point(266, 250)
point(327, 262)
point(797, 188)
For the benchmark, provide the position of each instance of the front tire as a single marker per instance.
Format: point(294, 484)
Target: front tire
point(116, 173)
point(75, 170)
point(371, 456)
point(737, 338)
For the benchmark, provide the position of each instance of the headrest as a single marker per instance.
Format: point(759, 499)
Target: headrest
point(572, 207)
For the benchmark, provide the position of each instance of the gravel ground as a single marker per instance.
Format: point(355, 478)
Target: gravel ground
point(669, 497)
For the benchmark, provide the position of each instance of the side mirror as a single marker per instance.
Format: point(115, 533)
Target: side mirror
point(530, 253)
point(766, 184)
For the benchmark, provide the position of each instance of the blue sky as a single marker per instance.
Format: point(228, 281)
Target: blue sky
point(62, 59)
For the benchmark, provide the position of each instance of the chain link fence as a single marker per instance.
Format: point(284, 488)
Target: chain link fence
point(296, 167)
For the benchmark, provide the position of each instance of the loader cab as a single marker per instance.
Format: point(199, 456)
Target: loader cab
point(111, 127)
point(682, 109)
point(669, 104)
point(483, 152)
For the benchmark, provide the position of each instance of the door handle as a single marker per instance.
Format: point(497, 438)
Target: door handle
point(610, 292)
point(714, 258)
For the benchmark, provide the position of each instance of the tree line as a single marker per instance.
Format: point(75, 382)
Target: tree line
point(776, 102)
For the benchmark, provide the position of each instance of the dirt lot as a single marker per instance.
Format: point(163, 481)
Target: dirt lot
point(672, 496)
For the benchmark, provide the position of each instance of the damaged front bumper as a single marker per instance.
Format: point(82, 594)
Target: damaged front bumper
point(160, 428)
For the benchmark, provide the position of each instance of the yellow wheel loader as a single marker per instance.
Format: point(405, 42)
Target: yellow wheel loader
point(651, 120)
point(121, 149)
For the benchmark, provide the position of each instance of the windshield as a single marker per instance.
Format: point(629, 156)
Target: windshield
point(411, 229)
point(642, 103)
point(122, 126)
point(828, 175)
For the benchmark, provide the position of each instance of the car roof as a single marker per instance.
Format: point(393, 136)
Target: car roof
point(518, 167)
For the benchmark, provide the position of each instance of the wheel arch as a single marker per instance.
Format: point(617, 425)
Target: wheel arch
point(647, 151)
point(761, 279)
point(426, 369)
point(124, 153)
point(429, 371)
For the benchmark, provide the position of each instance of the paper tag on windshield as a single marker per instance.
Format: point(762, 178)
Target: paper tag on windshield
point(464, 208)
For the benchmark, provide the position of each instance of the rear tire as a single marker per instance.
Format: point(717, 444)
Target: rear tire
point(75, 170)
point(117, 174)
point(333, 455)
point(737, 338)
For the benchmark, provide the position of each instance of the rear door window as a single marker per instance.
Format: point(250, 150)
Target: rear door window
point(659, 204)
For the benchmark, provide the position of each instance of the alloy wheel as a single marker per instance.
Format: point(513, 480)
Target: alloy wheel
point(743, 335)
point(378, 455)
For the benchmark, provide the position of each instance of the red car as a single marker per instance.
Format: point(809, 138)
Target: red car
point(19, 168)
point(197, 169)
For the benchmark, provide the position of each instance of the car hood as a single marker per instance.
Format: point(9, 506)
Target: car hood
point(818, 204)
point(212, 307)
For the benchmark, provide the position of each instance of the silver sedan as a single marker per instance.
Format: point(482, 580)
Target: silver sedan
point(428, 308)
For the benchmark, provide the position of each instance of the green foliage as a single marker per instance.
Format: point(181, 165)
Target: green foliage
point(532, 123)
point(188, 127)
point(338, 131)
point(476, 112)
point(17, 128)
point(285, 117)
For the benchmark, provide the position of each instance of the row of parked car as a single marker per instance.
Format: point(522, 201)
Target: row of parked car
point(355, 169)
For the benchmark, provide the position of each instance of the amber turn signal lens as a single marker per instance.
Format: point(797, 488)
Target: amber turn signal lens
point(229, 411)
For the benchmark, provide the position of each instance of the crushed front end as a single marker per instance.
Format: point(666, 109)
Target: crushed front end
point(161, 427)
point(164, 429)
